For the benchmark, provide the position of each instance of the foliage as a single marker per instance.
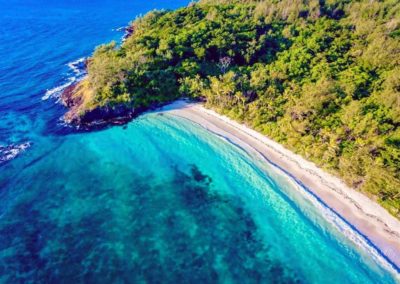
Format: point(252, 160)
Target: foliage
point(321, 77)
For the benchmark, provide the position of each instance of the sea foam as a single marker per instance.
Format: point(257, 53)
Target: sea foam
point(11, 151)
point(76, 73)
point(341, 225)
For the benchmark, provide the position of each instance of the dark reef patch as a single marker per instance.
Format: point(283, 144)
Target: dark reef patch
point(179, 230)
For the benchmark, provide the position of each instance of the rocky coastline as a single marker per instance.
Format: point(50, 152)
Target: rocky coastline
point(94, 118)
point(104, 116)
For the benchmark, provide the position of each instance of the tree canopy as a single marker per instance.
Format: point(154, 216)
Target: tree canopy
point(320, 77)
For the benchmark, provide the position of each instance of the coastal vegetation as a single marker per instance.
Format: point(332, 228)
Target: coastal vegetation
point(320, 77)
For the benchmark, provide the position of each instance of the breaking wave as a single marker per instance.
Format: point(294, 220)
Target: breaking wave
point(77, 72)
point(11, 151)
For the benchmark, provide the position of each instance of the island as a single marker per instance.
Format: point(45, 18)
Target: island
point(321, 79)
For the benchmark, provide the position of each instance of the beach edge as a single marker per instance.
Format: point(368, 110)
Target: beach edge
point(367, 217)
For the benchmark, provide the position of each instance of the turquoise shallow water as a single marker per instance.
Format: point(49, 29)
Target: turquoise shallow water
point(160, 200)
point(164, 200)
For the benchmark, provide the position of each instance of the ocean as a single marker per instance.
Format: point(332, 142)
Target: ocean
point(157, 200)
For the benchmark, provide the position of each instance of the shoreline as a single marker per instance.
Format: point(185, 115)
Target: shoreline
point(380, 229)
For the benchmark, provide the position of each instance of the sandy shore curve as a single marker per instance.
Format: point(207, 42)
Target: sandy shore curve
point(372, 221)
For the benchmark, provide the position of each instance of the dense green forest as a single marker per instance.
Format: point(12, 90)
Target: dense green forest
point(320, 77)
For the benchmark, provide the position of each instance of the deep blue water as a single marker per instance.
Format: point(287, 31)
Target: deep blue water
point(159, 200)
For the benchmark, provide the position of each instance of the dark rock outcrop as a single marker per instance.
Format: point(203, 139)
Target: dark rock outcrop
point(67, 96)
point(129, 30)
point(96, 117)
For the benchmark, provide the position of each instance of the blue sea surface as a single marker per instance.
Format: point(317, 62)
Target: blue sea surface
point(159, 200)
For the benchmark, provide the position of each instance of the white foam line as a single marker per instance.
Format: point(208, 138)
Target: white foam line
point(364, 210)
point(79, 73)
point(75, 65)
point(55, 92)
point(335, 220)
point(11, 151)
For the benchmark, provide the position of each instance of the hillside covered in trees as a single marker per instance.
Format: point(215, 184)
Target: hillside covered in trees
point(320, 77)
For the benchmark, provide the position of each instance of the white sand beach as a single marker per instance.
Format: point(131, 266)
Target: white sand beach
point(367, 216)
